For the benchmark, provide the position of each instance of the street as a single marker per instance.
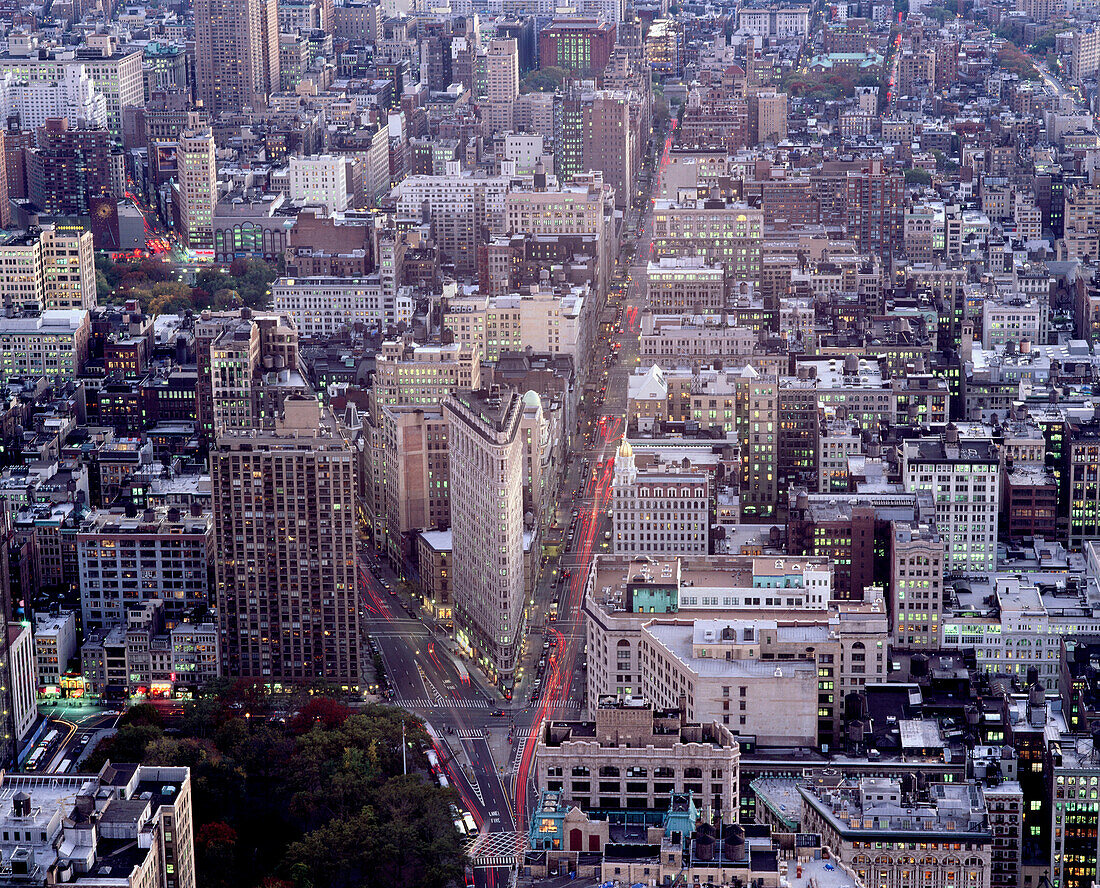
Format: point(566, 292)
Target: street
point(603, 424)
point(486, 746)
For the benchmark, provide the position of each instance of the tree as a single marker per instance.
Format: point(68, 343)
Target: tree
point(165, 304)
point(319, 801)
point(915, 176)
point(142, 714)
point(102, 286)
point(549, 79)
point(226, 299)
point(216, 854)
point(128, 744)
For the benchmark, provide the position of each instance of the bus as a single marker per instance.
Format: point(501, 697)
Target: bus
point(463, 673)
point(35, 758)
point(49, 738)
point(64, 766)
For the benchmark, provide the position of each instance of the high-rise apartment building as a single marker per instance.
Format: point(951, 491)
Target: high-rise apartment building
point(51, 267)
point(116, 74)
point(486, 480)
point(416, 466)
point(53, 345)
point(876, 209)
point(768, 117)
point(579, 45)
point(153, 554)
point(916, 585)
point(613, 140)
point(198, 187)
point(323, 180)
point(1084, 53)
point(462, 209)
point(423, 375)
point(502, 73)
point(285, 531)
point(236, 53)
point(757, 421)
point(70, 169)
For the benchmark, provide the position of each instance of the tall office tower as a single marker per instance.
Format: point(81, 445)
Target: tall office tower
point(70, 169)
point(613, 141)
point(503, 85)
point(198, 187)
point(285, 532)
point(876, 209)
point(757, 421)
point(236, 53)
point(962, 476)
point(486, 479)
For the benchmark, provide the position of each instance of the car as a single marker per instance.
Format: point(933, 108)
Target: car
point(497, 713)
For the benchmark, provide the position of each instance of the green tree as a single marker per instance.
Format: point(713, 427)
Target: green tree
point(102, 286)
point(548, 79)
point(916, 176)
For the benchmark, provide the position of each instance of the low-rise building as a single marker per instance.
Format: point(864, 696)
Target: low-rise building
point(634, 755)
point(685, 284)
point(884, 838)
point(324, 306)
point(129, 826)
point(714, 670)
point(660, 511)
point(55, 645)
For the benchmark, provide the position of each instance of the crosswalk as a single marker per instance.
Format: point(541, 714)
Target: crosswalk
point(470, 734)
point(425, 703)
point(493, 861)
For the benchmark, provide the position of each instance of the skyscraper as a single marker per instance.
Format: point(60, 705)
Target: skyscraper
point(486, 481)
point(876, 209)
point(236, 53)
point(503, 84)
point(198, 187)
point(70, 168)
point(284, 502)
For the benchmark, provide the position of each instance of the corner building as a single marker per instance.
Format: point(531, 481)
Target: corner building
point(487, 456)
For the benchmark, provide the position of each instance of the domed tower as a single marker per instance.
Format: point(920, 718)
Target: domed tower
point(626, 472)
